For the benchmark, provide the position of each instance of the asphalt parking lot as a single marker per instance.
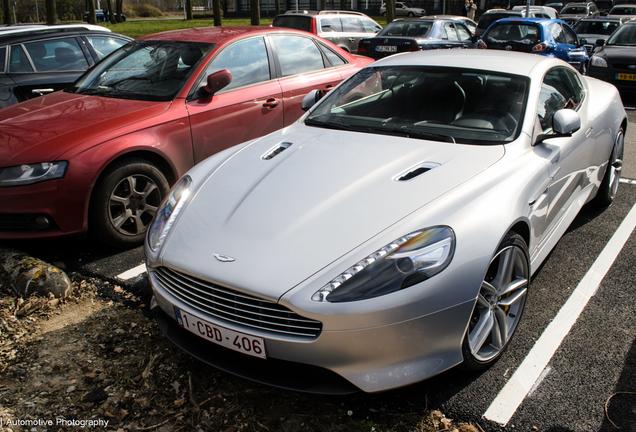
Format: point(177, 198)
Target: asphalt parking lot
point(579, 376)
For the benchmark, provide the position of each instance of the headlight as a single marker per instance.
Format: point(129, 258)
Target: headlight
point(404, 262)
point(167, 213)
point(598, 61)
point(27, 174)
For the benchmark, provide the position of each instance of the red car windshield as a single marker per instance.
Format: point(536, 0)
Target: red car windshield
point(147, 70)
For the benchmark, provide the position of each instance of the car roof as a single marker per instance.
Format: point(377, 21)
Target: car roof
point(600, 19)
point(502, 11)
point(492, 60)
point(325, 12)
point(524, 20)
point(21, 29)
point(217, 34)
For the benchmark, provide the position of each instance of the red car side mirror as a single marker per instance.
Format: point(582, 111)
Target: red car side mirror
point(217, 81)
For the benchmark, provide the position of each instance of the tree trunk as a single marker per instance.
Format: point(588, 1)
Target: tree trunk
point(6, 7)
point(276, 7)
point(51, 12)
point(119, 5)
point(188, 6)
point(390, 10)
point(323, 4)
point(343, 4)
point(110, 12)
point(255, 12)
point(216, 9)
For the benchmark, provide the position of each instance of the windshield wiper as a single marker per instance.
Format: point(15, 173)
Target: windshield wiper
point(331, 125)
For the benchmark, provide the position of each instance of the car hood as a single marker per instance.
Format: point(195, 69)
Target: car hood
point(42, 129)
point(618, 54)
point(286, 218)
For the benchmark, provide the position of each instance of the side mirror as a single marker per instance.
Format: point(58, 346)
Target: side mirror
point(583, 41)
point(310, 99)
point(218, 81)
point(564, 123)
point(600, 42)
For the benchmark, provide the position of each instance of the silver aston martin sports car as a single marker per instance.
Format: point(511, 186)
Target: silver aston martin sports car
point(391, 233)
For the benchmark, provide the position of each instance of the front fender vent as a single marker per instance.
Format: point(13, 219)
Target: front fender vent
point(416, 171)
point(276, 150)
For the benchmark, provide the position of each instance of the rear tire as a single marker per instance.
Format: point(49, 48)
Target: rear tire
point(607, 190)
point(124, 202)
point(499, 305)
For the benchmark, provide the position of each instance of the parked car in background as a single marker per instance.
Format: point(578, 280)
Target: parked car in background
point(604, 6)
point(576, 9)
point(472, 25)
point(492, 15)
point(337, 254)
point(547, 37)
point(538, 11)
point(556, 5)
point(615, 60)
point(101, 155)
point(592, 29)
point(342, 28)
point(418, 34)
point(42, 59)
point(24, 28)
point(100, 15)
point(625, 11)
point(404, 9)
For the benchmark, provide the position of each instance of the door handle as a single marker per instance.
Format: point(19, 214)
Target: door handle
point(271, 103)
point(40, 92)
point(327, 89)
point(352, 40)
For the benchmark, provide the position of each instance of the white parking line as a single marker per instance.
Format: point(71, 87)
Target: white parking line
point(133, 272)
point(515, 391)
point(628, 181)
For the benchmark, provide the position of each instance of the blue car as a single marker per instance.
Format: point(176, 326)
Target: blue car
point(548, 37)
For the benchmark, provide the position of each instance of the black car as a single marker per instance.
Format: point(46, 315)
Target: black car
point(492, 15)
point(41, 60)
point(417, 34)
point(100, 14)
point(592, 29)
point(615, 60)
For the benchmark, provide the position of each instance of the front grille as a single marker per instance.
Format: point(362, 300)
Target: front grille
point(627, 67)
point(236, 307)
point(589, 48)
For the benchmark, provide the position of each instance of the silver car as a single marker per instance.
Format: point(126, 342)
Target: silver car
point(404, 9)
point(391, 233)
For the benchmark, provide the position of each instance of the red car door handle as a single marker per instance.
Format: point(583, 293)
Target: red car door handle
point(271, 103)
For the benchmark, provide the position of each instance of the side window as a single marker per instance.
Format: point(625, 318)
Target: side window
point(104, 45)
point(62, 54)
point(297, 54)
point(464, 34)
point(18, 61)
point(557, 32)
point(351, 24)
point(449, 32)
point(561, 88)
point(334, 58)
point(3, 54)
point(246, 60)
point(330, 24)
point(370, 26)
point(570, 36)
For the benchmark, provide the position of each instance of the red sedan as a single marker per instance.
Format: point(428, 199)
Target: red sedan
point(101, 155)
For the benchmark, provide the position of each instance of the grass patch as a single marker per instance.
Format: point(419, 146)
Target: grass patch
point(135, 29)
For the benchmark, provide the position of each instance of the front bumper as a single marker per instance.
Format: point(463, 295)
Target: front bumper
point(371, 359)
point(45, 209)
point(610, 74)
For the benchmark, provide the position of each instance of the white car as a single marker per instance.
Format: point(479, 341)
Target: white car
point(391, 233)
point(404, 9)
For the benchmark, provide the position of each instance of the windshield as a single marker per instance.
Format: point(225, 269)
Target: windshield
point(622, 10)
point(574, 10)
point(440, 104)
point(596, 27)
point(625, 35)
point(406, 28)
point(147, 70)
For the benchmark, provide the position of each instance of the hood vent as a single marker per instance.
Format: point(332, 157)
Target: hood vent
point(276, 151)
point(416, 171)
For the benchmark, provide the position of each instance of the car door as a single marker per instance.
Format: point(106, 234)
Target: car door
point(44, 66)
point(570, 158)
point(450, 37)
point(331, 29)
point(7, 86)
point(567, 45)
point(352, 31)
point(465, 37)
point(249, 107)
point(303, 64)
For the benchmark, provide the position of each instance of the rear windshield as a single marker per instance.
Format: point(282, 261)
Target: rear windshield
point(595, 27)
point(580, 10)
point(489, 18)
point(295, 22)
point(513, 32)
point(407, 28)
point(621, 10)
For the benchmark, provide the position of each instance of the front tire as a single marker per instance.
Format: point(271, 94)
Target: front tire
point(499, 305)
point(607, 191)
point(410, 14)
point(124, 202)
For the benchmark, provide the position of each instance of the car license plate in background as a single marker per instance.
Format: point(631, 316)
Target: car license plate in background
point(626, 77)
point(385, 48)
point(231, 339)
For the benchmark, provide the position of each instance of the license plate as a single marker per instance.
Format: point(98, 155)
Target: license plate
point(626, 77)
point(231, 339)
point(386, 48)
